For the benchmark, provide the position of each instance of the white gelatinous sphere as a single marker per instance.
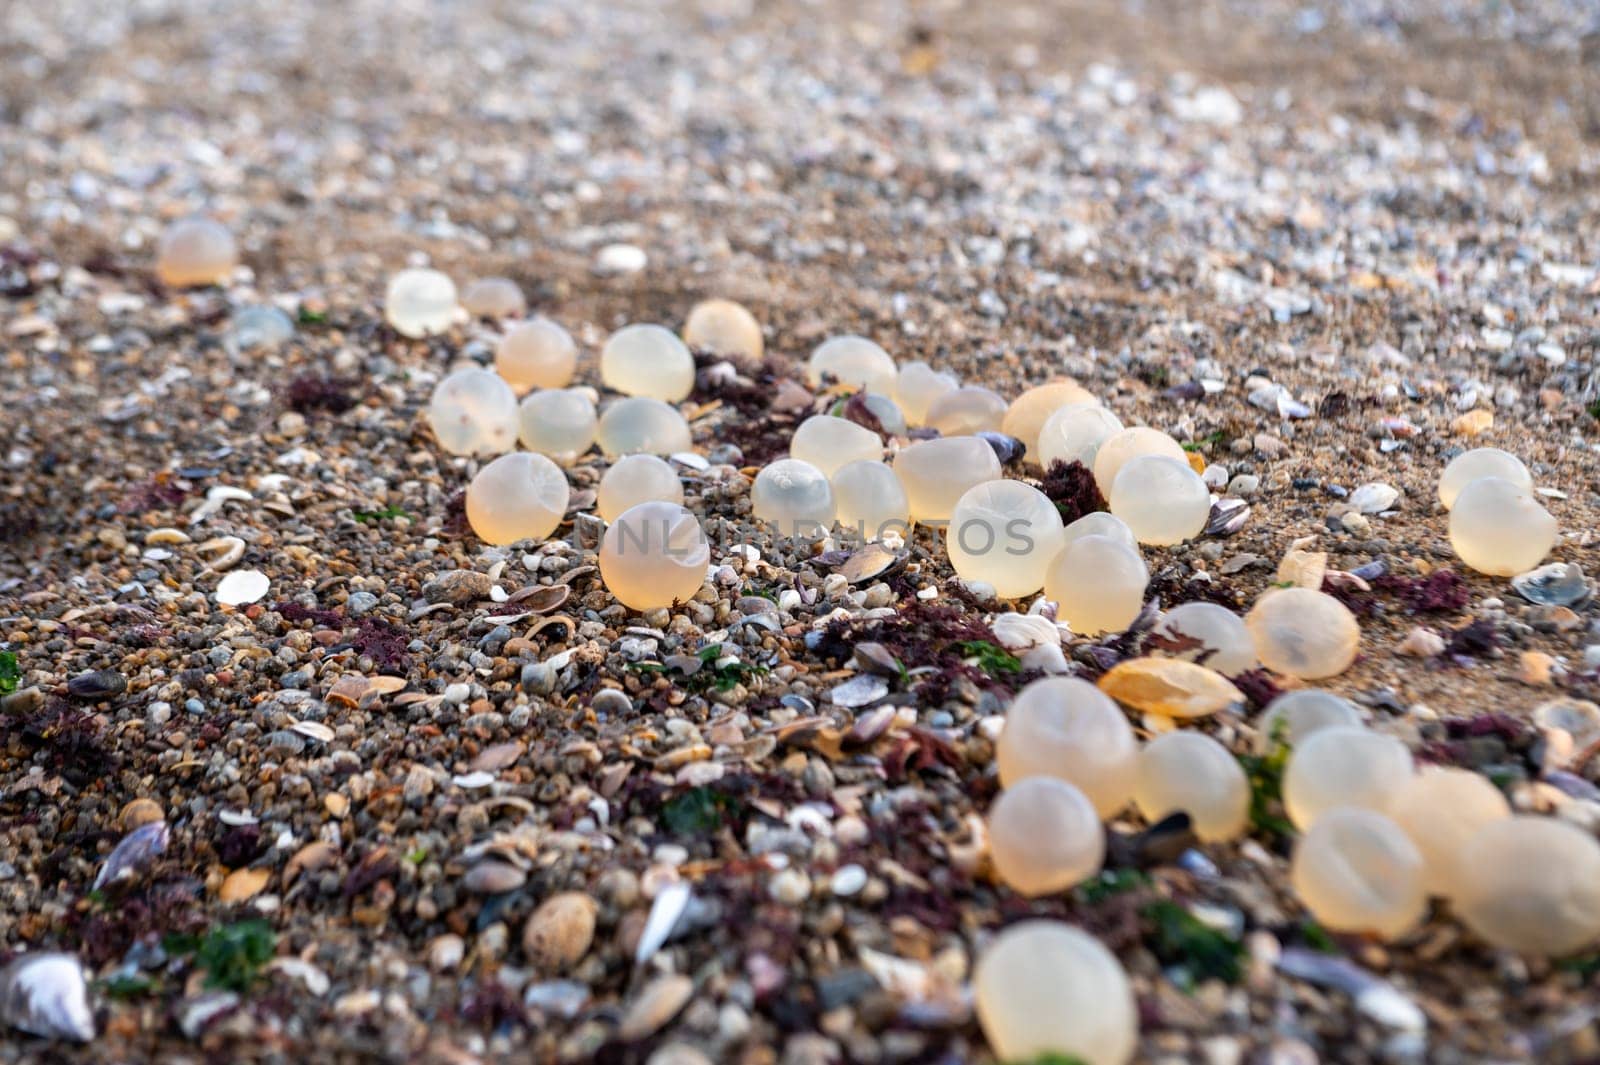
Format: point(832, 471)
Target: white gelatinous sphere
point(637, 479)
point(1045, 837)
point(1358, 872)
point(1294, 717)
point(558, 422)
point(1097, 584)
point(829, 443)
point(1101, 523)
point(254, 328)
point(1162, 499)
point(917, 385)
point(966, 411)
point(195, 251)
point(1046, 988)
point(520, 496)
point(935, 473)
point(854, 361)
point(794, 497)
point(1498, 528)
point(1004, 533)
point(1130, 444)
point(1065, 727)
point(1301, 632)
point(1480, 462)
point(1029, 411)
point(494, 297)
point(724, 328)
point(870, 500)
point(419, 302)
point(1533, 886)
point(647, 360)
point(641, 424)
point(537, 353)
point(1343, 767)
point(653, 555)
point(1075, 432)
point(1441, 809)
point(1193, 773)
point(1225, 644)
point(474, 412)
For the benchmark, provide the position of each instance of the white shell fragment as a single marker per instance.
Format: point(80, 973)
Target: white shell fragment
point(1374, 498)
point(242, 587)
point(44, 993)
point(133, 852)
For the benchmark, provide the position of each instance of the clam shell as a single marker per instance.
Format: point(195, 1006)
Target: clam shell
point(44, 993)
point(1557, 584)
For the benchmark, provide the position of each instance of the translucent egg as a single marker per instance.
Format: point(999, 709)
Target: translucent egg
point(724, 328)
point(637, 479)
point(259, 329)
point(870, 500)
point(1097, 584)
point(1004, 533)
point(1498, 528)
point(794, 497)
point(917, 385)
point(1029, 411)
point(1301, 632)
point(655, 554)
point(1075, 432)
point(1065, 727)
point(536, 354)
point(1161, 499)
point(642, 424)
point(1193, 773)
point(967, 411)
point(1357, 872)
point(1343, 767)
point(1294, 716)
point(494, 297)
point(1130, 444)
point(1045, 837)
point(520, 496)
point(1101, 523)
point(828, 443)
point(1532, 886)
point(558, 422)
point(194, 252)
point(1045, 989)
point(647, 360)
point(419, 303)
point(854, 361)
point(1469, 466)
point(1224, 642)
point(936, 473)
point(1441, 809)
point(474, 412)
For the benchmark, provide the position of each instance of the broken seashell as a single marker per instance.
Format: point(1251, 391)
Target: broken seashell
point(1557, 584)
point(44, 993)
point(858, 691)
point(242, 587)
point(221, 552)
point(137, 849)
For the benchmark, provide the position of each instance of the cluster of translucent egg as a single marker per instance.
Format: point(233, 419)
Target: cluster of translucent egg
point(1301, 632)
point(916, 386)
point(723, 327)
point(494, 297)
point(1097, 583)
point(829, 443)
point(794, 497)
point(647, 360)
point(559, 422)
point(936, 473)
point(1004, 533)
point(1046, 990)
point(1211, 635)
point(194, 252)
point(520, 496)
point(654, 555)
point(1118, 449)
point(642, 424)
point(636, 479)
point(1498, 528)
point(474, 412)
point(854, 361)
point(1161, 499)
point(419, 302)
point(1026, 415)
point(536, 354)
point(870, 501)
